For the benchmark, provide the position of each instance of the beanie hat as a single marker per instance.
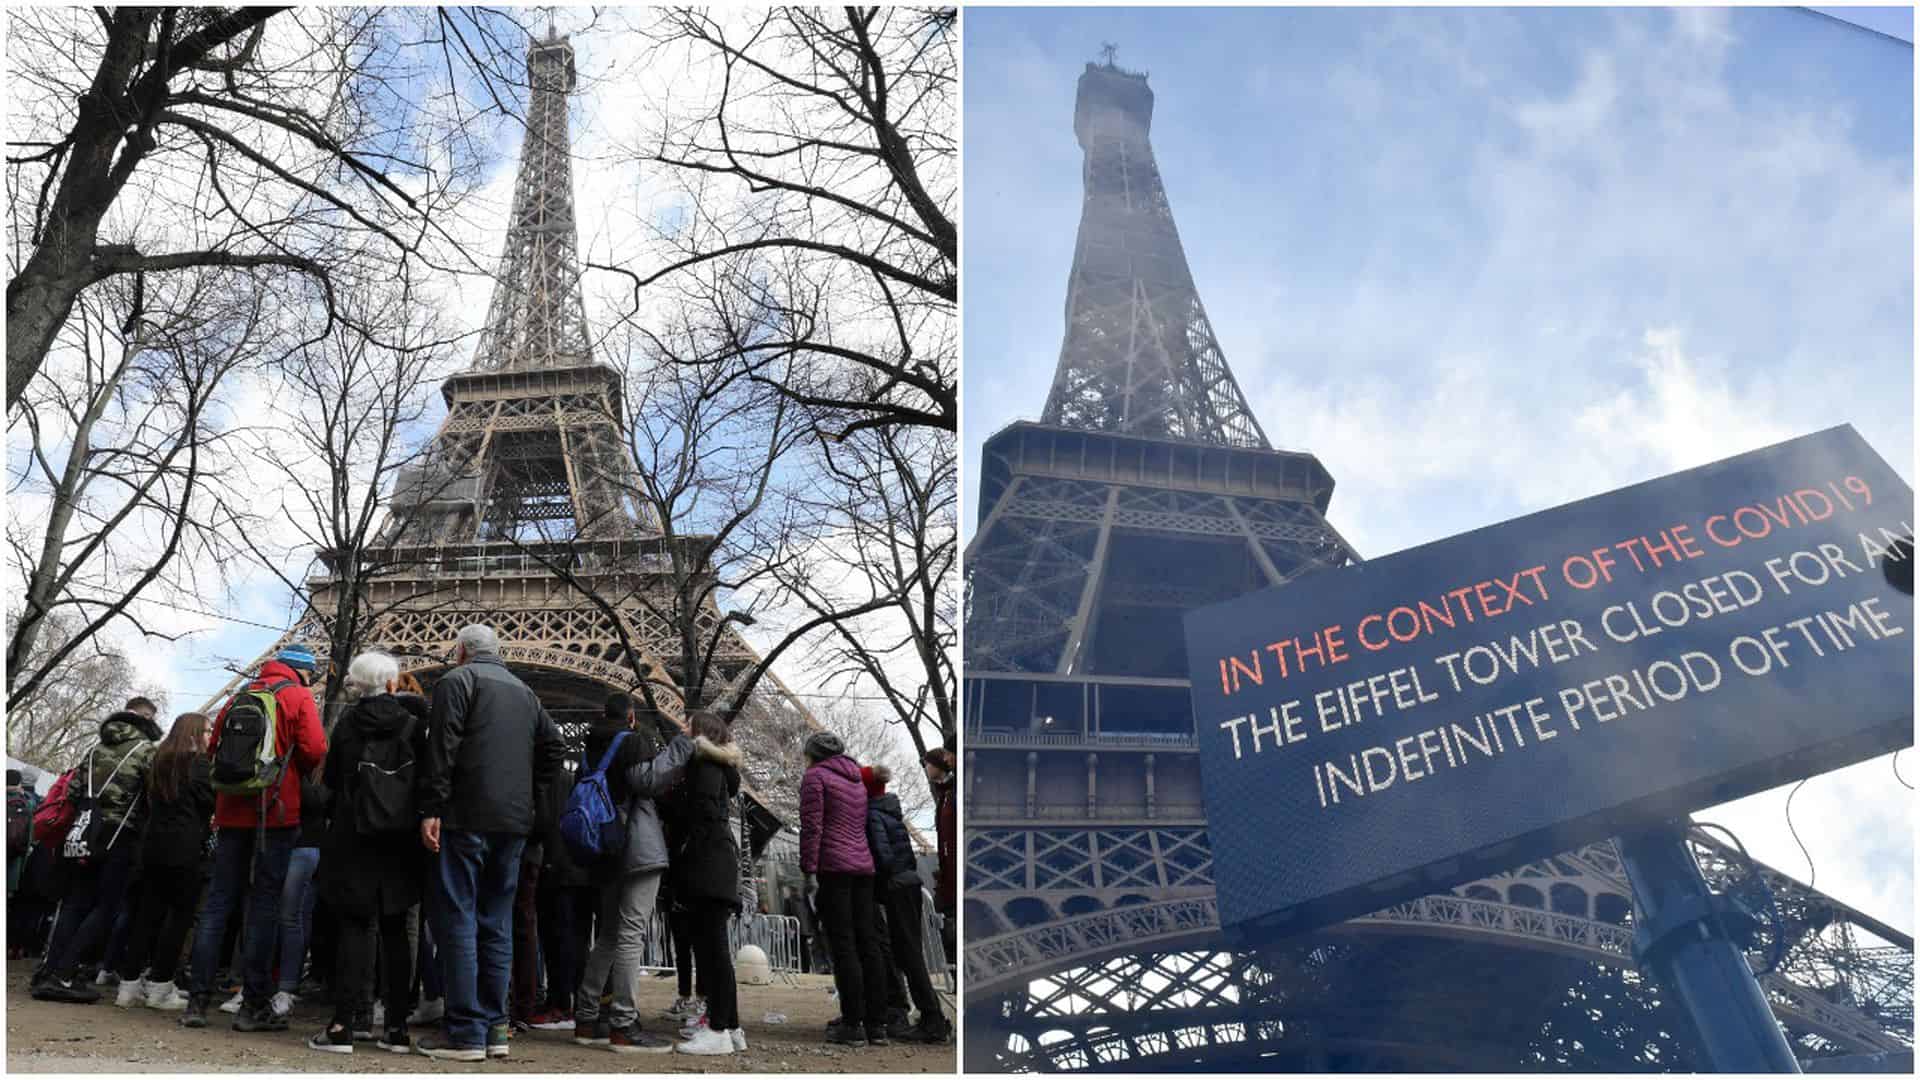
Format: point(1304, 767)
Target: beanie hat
point(822, 745)
point(298, 657)
point(876, 787)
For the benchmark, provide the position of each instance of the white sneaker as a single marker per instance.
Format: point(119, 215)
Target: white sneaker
point(166, 997)
point(739, 1037)
point(283, 1003)
point(694, 1026)
point(132, 992)
point(707, 1043)
point(232, 1005)
point(429, 1011)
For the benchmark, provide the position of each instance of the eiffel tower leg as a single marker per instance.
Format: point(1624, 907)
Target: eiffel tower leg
point(1685, 942)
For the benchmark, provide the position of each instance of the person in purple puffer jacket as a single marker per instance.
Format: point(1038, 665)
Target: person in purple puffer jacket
point(839, 868)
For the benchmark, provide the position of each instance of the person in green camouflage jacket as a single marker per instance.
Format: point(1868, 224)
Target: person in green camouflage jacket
point(124, 735)
point(97, 889)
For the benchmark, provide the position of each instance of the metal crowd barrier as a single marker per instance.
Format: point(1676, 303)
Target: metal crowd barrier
point(934, 948)
point(777, 935)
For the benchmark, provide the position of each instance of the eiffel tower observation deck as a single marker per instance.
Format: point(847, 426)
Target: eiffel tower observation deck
point(1147, 489)
point(529, 467)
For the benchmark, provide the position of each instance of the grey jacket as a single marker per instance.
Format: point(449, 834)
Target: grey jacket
point(646, 781)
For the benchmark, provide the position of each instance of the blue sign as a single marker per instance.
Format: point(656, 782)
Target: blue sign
point(1399, 726)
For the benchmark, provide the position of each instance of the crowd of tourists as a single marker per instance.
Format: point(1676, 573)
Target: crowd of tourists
point(436, 872)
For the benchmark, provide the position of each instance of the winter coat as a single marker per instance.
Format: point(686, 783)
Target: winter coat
point(127, 741)
point(706, 858)
point(888, 840)
point(361, 874)
point(493, 754)
point(646, 780)
point(833, 819)
point(946, 880)
point(297, 731)
point(177, 827)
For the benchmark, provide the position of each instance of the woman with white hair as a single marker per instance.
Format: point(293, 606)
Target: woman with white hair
point(375, 865)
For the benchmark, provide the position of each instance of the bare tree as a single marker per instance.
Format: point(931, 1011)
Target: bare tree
point(884, 501)
point(62, 719)
point(777, 761)
point(292, 139)
point(348, 434)
point(818, 167)
point(125, 471)
point(706, 464)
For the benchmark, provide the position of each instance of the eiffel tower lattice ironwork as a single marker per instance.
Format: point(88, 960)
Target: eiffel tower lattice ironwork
point(1093, 941)
point(529, 464)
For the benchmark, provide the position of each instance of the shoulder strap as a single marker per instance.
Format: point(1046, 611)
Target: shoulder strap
point(90, 753)
point(613, 748)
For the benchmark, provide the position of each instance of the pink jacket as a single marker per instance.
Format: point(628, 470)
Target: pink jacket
point(833, 819)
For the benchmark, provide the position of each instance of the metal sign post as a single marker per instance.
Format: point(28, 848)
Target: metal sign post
point(1685, 940)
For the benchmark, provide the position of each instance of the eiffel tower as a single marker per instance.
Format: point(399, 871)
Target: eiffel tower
point(1092, 937)
point(528, 462)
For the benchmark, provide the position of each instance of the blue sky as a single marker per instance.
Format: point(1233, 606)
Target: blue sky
point(1486, 261)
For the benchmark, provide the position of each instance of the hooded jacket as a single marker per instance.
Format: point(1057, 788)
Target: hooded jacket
point(833, 819)
point(646, 780)
point(297, 734)
point(887, 838)
point(706, 864)
point(370, 875)
point(127, 740)
point(493, 753)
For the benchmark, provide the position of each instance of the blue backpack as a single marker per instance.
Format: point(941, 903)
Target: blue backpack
point(591, 826)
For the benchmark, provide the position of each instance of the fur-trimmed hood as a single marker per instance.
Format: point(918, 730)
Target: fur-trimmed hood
point(729, 754)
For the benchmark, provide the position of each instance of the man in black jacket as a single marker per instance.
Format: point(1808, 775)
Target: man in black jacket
point(897, 882)
point(493, 755)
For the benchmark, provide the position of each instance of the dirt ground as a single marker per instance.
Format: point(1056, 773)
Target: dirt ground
point(45, 1037)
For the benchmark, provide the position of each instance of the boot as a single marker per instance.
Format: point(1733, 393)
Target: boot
point(196, 1012)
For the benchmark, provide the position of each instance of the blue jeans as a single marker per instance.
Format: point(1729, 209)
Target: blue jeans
point(296, 914)
point(474, 880)
point(235, 880)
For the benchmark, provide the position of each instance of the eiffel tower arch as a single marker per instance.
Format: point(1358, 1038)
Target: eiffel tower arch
point(1092, 938)
point(529, 466)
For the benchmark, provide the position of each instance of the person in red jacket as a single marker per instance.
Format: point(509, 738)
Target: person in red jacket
point(238, 876)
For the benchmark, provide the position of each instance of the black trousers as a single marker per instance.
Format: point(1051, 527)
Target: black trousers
point(170, 895)
point(896, 990)
point(685, 965)
point(94, 897)
point(707, 922)
point(846, 917)
point(905, 913)
point(566, 928)
point(353, 973)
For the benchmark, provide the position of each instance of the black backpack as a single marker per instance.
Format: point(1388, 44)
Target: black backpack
point(244, 763)
point(383, 795)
